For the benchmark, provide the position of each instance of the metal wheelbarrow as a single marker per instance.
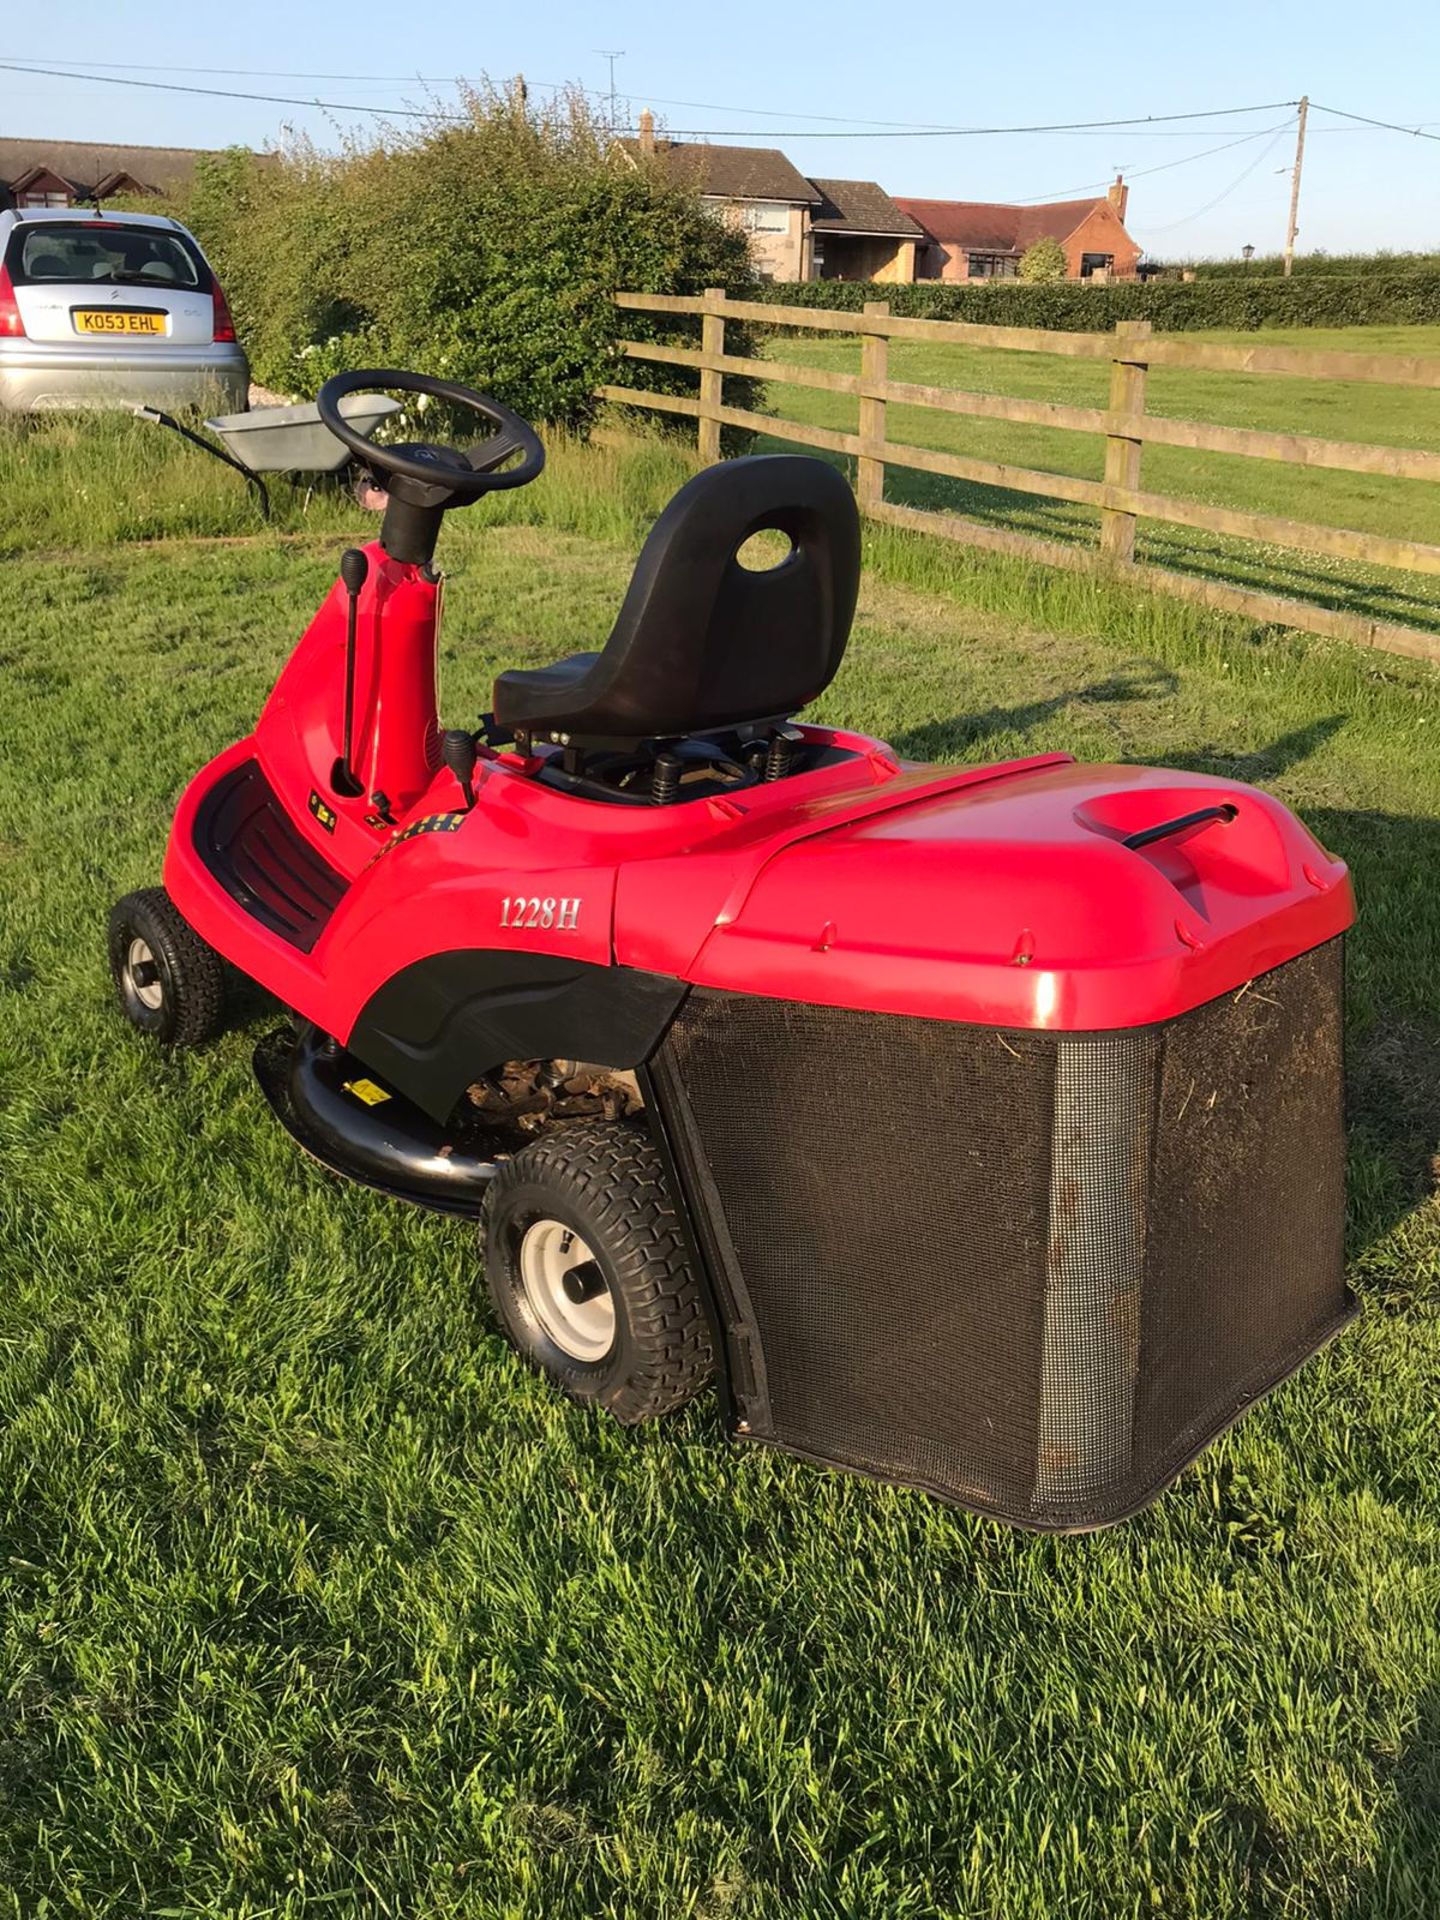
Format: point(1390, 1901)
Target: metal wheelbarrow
point(281, 439)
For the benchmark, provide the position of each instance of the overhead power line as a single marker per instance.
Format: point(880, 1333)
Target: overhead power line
point(1135, 122)
point(1390, 126)
point(1234, 186)
point(251, 73)
point(39, 64)
point(1142, 173)
point(1139, 123)
point(456, 79)
point(1154, 126)
point(105, 67)
point(225, 93)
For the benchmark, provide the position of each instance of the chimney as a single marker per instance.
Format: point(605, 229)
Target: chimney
point(1119, 196)
point(647, 131)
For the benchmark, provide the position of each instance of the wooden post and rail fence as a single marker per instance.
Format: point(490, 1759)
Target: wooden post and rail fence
point(1125, 426)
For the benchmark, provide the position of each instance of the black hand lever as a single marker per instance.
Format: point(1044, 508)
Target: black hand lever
point(1202, 817)
point(458, 751)
point(354, 570)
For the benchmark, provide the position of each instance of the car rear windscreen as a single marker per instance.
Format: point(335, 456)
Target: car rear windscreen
point(104, 254)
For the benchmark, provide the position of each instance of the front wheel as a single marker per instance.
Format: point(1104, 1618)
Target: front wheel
point(585, 1261)
point(171, 985)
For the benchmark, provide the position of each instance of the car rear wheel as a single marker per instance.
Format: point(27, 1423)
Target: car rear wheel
point(586, 1264)
point(170, 984)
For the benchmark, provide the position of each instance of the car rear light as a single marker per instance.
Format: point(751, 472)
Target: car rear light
point(224, 324)
point(12, 327)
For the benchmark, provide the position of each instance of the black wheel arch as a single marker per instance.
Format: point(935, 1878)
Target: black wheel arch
point(439, 1023)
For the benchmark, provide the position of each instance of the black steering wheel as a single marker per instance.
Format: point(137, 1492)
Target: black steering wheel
point(449, 476)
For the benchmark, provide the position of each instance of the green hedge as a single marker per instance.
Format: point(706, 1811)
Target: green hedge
point(486, 250)
point(1172, 306)
point(1346, 266)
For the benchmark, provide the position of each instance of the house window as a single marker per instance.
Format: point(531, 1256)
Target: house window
point(44, 200)
point(1091, 263)
point(761, 217)
point(992, 266)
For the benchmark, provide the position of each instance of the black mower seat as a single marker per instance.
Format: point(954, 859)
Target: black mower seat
point(703, 642)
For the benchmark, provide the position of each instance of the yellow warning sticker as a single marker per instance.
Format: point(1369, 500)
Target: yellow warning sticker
point(325, 815)
point(367, 1091)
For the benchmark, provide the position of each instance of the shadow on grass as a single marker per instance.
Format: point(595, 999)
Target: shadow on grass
point(937, 739)
point(1404, 1881)
point(1376, 592)
point(1266, 763)
point(1344, 586)
point(1392, 1062)
point(1393, 1053)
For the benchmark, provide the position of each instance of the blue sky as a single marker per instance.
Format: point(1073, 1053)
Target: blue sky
point(927, 64)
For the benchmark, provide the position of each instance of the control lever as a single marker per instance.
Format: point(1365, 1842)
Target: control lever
point(354, 570)
point(1201, 817)
point(458, 751)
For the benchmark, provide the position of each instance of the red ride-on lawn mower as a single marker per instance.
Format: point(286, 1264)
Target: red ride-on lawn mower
point(982, 1124)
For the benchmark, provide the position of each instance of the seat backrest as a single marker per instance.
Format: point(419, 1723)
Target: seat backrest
point(703, 641)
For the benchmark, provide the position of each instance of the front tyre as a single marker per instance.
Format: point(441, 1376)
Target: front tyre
point(586, 1264)
point(170, 984)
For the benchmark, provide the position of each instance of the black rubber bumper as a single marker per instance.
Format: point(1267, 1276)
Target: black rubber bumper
point(348, 1120)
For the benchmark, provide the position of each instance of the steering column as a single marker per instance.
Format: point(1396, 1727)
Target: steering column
point(425, 479)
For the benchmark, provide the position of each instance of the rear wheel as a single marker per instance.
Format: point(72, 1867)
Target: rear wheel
point(586, 1264)
point(171, 985)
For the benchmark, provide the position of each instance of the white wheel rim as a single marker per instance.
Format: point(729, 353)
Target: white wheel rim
point(143, 976)
point(551, 1253)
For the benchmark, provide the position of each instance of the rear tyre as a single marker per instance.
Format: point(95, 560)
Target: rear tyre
point(586, 1264)
point(170, 984)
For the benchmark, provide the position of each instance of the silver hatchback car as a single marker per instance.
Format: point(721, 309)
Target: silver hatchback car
point(112, 309)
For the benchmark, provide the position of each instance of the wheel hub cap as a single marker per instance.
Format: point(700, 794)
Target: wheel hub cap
point(142, 975)
point(566, 1290)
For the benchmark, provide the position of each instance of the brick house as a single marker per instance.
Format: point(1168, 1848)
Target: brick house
point(804, 229)
point(68, 173)
point(858, 233)
point(984, 240)
point(751, 187)
point(799, 229)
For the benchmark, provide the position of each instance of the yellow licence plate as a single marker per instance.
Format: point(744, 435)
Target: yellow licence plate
point(111, 320)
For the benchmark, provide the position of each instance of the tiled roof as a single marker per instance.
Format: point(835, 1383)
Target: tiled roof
point(987, 226)
point(84, 164)
point(861, 206)
point(732, 173)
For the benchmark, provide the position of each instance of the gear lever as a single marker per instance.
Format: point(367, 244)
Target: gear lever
point(354, 570)
point(458, 751)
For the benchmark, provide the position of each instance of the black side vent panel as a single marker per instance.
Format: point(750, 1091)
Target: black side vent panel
point(245, 838)
point(1032, 1273)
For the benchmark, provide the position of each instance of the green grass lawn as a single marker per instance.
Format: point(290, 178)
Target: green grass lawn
point(315, 1602)
point(1385, 416)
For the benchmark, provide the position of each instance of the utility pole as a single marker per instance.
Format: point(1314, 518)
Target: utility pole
point(612, 55)
point(1292, 229)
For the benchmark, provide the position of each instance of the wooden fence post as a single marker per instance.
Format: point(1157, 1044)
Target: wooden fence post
point(1124, 426)
point(1122, 453)
point(712, 387)
point(874, 371)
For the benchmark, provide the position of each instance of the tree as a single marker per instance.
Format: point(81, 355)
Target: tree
point(1045, 260)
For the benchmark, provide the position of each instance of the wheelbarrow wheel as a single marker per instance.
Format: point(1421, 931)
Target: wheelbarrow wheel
point(171, 985)
point(586, 1264)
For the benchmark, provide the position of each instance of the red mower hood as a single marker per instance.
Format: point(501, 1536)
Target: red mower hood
point(1017, 902)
